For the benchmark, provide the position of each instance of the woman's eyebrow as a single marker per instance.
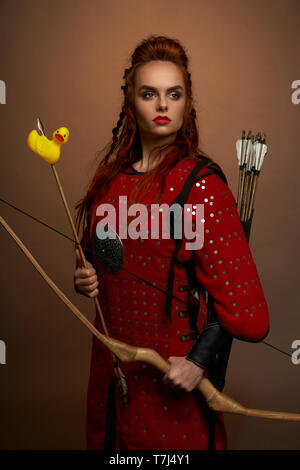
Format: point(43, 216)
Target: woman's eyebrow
point(146, 87)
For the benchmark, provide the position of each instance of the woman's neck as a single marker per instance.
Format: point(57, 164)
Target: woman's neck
point(145, 163)
point(142, 166)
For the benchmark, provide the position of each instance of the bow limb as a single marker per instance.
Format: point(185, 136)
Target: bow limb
point(215, 400)
point(122, 382)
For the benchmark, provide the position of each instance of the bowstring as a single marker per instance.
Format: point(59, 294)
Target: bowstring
point(91, 251)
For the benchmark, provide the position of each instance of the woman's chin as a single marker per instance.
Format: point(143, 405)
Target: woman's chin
point(161, 131)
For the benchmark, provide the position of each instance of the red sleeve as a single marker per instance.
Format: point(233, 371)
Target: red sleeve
point(225, 266)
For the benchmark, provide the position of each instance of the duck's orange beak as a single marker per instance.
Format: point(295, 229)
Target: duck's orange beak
point(59, 137)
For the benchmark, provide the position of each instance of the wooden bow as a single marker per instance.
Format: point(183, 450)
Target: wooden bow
point(215, 400)
point(49, 159)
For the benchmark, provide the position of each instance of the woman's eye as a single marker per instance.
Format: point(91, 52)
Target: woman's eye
point(145, 95)
point(174, 95)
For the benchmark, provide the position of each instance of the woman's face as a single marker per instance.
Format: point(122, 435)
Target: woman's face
point(159, 91)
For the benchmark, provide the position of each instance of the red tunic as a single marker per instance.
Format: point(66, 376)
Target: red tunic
point(158, 417)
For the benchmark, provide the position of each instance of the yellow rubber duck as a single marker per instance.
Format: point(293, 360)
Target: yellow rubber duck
point(49, 150)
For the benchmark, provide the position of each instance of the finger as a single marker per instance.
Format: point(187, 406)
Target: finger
point(170, 382)
point(91, 287)
point(94, 294)
point(85, 281)
point(85, 272)
point(173, 380)
point(87, 289)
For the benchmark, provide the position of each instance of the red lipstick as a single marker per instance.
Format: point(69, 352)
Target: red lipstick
point(162, 120)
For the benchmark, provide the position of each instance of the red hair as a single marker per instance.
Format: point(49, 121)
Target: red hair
point(126, 147)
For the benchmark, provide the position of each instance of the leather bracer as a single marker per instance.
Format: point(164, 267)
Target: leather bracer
point(207, 345)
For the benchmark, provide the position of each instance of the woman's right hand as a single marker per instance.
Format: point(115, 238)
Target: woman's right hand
point(85, 279)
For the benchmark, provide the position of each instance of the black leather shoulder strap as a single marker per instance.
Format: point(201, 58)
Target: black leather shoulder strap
point(181, 200)
point(184, 194)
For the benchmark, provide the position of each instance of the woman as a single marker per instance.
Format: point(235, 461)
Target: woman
point(152, 157)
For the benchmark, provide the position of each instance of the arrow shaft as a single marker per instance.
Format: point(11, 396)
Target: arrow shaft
point(84, 262)
point(215, 400)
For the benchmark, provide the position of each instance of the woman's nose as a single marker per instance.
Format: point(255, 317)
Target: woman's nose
point(162, 103)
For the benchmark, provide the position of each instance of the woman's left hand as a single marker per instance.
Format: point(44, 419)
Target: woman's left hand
point(183, 374)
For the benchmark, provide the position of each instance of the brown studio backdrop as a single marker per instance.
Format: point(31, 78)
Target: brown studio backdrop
point(64, 61)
